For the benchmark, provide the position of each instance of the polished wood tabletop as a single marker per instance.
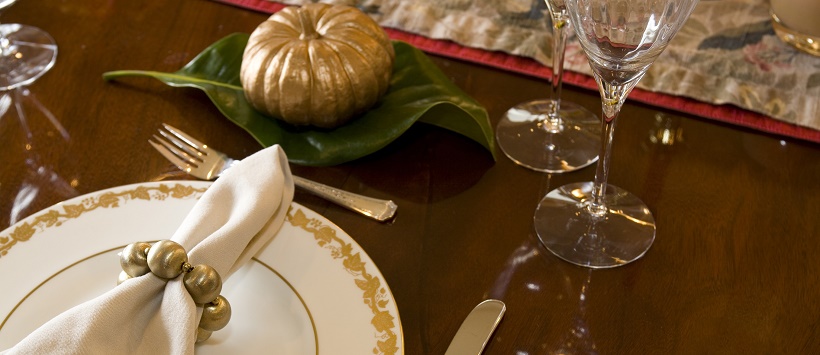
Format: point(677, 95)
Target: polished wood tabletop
point(734, 267)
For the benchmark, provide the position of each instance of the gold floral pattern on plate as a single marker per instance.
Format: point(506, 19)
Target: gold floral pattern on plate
point(375, 296)
point(60, 213)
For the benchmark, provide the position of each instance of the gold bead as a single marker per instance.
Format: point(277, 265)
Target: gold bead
point(165, 259)
point(123, 277)
point(203, 283)
point(202, 335)
point(215, 315)
point(133, 259)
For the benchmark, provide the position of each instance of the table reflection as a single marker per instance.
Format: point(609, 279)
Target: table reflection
point(564, 292)
point(30, 126)
point(666, 130)
point(578, 338)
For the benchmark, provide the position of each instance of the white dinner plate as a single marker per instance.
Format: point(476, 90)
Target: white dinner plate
point(312, 290)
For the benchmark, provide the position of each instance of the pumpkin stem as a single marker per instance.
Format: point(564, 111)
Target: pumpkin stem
point(308, 27)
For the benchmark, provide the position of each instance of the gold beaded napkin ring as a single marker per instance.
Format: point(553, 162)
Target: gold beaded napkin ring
point(167, 259)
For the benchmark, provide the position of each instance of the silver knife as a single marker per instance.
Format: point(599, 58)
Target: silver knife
point(477, 328)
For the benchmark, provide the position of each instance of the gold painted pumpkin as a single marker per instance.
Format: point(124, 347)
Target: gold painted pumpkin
point(318, 65)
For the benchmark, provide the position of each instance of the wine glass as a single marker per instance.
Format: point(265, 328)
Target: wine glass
point(551, 135)
point(26, 52)
point(594, 224)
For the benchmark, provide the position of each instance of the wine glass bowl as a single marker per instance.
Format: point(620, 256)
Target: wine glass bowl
point(551, 135)
point(623, 38)
point(594, 224)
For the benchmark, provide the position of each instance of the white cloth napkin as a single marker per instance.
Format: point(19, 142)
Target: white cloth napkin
point(237, 216)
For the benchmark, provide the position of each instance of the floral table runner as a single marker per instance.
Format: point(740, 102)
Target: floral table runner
point(726, 63)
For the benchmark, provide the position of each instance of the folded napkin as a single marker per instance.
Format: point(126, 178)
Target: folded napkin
point(235, 218)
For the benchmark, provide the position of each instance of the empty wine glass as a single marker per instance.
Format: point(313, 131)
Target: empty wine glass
point(26, 52)
point(594, 224)
point(551, 135)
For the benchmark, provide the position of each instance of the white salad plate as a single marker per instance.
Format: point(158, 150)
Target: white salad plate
point(312, 290)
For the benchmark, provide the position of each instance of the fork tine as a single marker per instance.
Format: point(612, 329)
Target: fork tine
point(180, 163)
point(193, 160)
point(185, 137)
point(191, 153)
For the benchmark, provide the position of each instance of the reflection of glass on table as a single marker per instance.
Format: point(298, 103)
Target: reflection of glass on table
point(666, 130)
point(43, 183)
point(26, 53)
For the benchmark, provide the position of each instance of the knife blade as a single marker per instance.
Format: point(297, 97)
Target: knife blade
point(475, 331)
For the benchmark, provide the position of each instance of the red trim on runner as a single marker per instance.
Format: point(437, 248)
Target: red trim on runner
point(723, 113)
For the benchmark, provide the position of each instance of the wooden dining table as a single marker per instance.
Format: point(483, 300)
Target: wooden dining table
point(734, 268)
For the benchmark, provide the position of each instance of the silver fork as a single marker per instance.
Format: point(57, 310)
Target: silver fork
point(204, 162)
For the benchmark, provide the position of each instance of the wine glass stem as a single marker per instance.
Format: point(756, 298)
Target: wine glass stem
point(611, 109)
point(560, 21)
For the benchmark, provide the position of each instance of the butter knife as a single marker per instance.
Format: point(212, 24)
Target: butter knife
point(475, 331)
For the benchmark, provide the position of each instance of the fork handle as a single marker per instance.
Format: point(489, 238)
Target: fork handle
point(380, 210)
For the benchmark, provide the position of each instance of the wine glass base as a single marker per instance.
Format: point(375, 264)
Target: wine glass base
point(527, 137)
point(569, 229)
point(29, 54)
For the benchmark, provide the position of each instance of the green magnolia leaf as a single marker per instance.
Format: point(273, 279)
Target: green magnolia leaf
point(418, 91)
